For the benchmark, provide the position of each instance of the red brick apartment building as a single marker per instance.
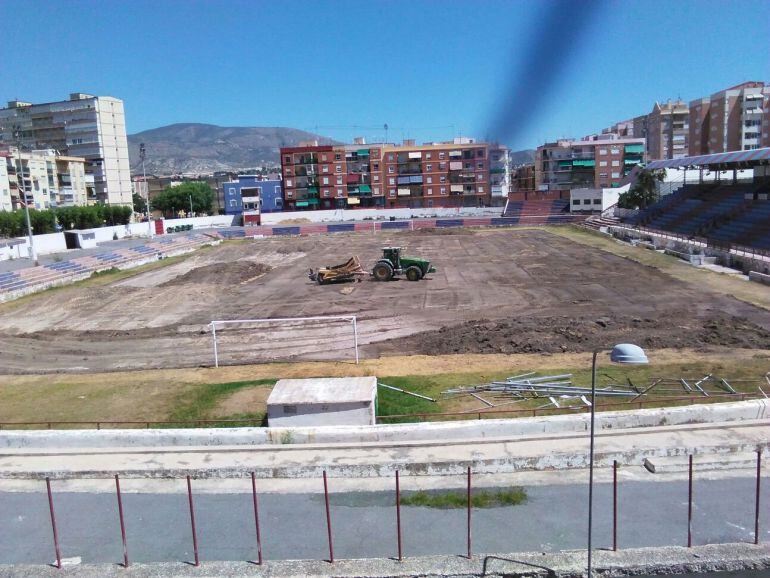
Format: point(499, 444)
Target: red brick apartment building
point(462, 173)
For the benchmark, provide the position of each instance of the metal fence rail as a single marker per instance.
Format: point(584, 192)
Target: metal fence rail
point(472, 414)
point(687, 521)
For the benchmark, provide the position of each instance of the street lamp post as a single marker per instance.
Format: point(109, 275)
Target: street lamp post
point(142, 155)
point(622, 353)
point(191, 209)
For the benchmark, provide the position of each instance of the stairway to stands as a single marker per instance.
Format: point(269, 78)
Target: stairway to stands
point(524, 209)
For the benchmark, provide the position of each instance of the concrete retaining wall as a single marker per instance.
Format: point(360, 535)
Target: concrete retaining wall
point(759, 277)
point(497, 428)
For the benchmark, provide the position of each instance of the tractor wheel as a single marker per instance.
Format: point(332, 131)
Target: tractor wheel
point(382, 271)
point(414, 273)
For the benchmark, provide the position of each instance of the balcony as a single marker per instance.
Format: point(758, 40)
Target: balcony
point(410, 168)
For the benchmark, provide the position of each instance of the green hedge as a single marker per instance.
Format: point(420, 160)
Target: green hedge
point(14, 224)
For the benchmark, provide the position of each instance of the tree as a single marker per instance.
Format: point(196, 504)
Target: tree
point(140, 205)
point(644, 191)
point(177, 198)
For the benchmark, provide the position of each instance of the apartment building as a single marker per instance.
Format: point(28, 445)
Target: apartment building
point(44, 179)
point(6, 201)
point(91, 127)
point(667, 130)
point(446, 174)
point(730, 120)
point(597, 161)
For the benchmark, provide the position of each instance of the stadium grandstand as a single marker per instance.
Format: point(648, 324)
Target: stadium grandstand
point(722, 199)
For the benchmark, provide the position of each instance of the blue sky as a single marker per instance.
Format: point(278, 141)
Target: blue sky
point(429, 69)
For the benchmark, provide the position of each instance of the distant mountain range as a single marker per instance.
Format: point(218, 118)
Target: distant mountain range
point(204, 148)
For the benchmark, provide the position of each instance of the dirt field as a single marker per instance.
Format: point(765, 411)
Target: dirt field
point(495, 291)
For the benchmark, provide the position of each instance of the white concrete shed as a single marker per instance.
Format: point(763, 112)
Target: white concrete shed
point(323, 401)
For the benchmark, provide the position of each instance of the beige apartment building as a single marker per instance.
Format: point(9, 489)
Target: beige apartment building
point(87, 126)
point(733, 119)
point(44, 179)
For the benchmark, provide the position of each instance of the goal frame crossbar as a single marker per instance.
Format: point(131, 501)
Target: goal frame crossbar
point(213, 324)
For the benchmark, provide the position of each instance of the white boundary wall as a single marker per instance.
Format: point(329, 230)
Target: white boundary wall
point(449, 430)
point(55, 243)
point(379, 214)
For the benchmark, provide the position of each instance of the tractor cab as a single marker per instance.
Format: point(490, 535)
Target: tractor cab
point(392, 254)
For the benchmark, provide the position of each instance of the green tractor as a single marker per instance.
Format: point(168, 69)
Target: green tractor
point(394, 264)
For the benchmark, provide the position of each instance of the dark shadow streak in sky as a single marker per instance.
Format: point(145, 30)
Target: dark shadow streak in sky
point(558, 42)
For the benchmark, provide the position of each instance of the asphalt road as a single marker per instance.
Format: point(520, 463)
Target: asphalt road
point(294, 525)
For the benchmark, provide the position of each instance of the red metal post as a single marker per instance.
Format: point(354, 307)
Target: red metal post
point(398, 518)
point(256, 517)
point(53, 523)
point(122, 522)
point(689, 507)
point(328, 519)
point(614, 505)
point(756, 503)
point(192, 522)
point(470, 552)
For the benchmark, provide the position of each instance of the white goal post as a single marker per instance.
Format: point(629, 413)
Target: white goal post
point(223, 322)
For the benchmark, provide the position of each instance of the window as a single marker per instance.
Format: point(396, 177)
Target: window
point(602, 151)
point(428, 168)
point(231, 190)
point(480, 153)
point(375, 166)
point(289, 183)
point(376, 178)
point(325, 181)
point(429, 190)
point(597, 201)
point(427, 156)
point(442, 190)
point(323, 157)
point(391, 157)
point(480, 189)
point(603, 175)
point(615, 163)
point(441, 156)
point(339, 192)
point(391, 181)
point(479, 166)
point(479, 177)
point(615, 151)
point(602, 163)
point(337, 157)
point(429, 180)
point(233, 203)
point(391, 169)
point(337, 168)
point(615, 175)
point(326, 192)
point(287, 159)
point(442, 179)
point(575, 201)
point(278, 203)
point(325, 169)
point(442, 166)
point(391, 192)
point(586, 201)
point(376, 190)
point(339, 180)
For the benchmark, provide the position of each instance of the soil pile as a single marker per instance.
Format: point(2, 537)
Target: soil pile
point(221, 274)
point(566, 334)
